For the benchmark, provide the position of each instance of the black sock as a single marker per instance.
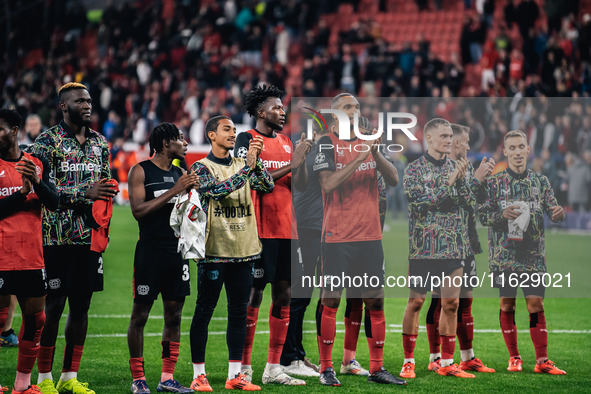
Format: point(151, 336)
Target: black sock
point(7, 333)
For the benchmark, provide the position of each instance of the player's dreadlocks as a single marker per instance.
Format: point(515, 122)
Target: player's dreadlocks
point(11, 118)
point(164, 131)
point(257, 96)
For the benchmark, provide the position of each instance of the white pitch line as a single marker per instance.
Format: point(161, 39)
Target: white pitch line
point(393, 328)
point(265, 332)
point(399, 326)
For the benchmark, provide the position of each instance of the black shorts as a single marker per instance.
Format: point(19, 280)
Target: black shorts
point(73, 269)
point(306, 264)
point(421, 272)
point(29, 283)
point(158, 271)
point(509, 281)
point(275, 262)
point(358, 266)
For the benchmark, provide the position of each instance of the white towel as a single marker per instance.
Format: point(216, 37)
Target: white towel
point(188, 221)
point(519, 225)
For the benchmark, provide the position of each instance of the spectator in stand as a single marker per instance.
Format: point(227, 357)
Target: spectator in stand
point(510, 13)
point(349, 71)
point(585, 39)
point(476, 35)
point(33, 127)
point(584, 135)
point(454, 74)
point(486, 8)
point(526, 14)
point(578, 178)
point(488, 62)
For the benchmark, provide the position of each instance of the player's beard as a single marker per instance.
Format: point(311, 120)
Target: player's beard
point(76, 118)
point(274, 126)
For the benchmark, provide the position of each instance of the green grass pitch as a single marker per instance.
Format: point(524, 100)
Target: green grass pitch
point(105, 363)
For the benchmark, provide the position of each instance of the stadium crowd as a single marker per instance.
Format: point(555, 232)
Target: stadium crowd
point(182, 62)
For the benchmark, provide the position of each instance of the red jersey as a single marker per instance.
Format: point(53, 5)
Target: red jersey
point(21, 246)
point(273, 210)
point(351, 212)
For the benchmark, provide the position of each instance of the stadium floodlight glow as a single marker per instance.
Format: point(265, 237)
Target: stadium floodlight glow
point(344, 122)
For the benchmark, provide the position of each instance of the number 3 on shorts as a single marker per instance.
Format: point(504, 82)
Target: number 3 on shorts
point(185, 276)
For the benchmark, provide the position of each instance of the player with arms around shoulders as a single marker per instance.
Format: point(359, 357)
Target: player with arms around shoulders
point(231, 244)
point(273, 215)
point(24, 186)
point(516, 201)
point(158, 268)
point(78, 158)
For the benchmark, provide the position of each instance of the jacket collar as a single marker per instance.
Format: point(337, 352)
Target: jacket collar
point(224, 161)
point(436, 162)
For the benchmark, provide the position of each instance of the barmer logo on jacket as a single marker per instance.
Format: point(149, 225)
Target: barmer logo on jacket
point(77, 167)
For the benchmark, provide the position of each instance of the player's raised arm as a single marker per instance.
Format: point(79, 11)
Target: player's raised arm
point(420, 197)
point(386, 168)
point(260, 179)
point(137, 192)
point(329, 176)
point(550, 205)
point(300, 173)
point(211, 188)
point(489, 213)
point(46, 190)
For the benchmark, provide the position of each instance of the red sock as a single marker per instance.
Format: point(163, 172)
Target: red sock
point(72, 357)
point(409, 342)
point(278, 325)
point(136, 364)
point(375, 330)
point(539, 334)
point(45, 359)
point(509, 332)
point(352, 325)
point(465, 330)
point(29, 336)
point(433, 325)
point(27, 354)
point(251, 326)
point(448, 347)
point(3, 316)
point(170, 355)
point(326, 326)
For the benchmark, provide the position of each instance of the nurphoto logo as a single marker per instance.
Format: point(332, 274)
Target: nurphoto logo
point(344, 129)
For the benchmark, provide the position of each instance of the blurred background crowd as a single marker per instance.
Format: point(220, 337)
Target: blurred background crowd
point(184, 61)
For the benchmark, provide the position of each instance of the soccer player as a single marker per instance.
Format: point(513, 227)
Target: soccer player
point(158, 267)
point(79, 167)
point(351, 238)
point(307, 202)
point(518, 252)
point(465, 327)
point(436, 191)
point(354, 306)
point(273, 214)
point(24, 186)
point(231, 244)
